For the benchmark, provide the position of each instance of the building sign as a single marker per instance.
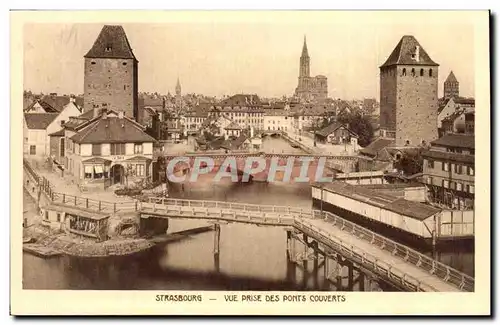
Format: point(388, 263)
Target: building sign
point(117, 158)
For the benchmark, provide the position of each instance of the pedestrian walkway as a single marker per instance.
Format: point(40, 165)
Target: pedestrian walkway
point(70, 187)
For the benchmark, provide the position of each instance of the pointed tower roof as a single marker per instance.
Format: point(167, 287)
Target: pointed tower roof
point(178, 85)
point(409, 52)
point(304, 48)
point(451, 78)
point(112, 42)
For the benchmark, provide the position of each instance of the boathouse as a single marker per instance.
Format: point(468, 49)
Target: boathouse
point(393, 215)
point(76, 221)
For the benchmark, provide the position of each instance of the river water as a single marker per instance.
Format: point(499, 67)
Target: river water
point(251, 257)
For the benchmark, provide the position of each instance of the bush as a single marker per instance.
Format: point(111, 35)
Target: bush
point(128, 192)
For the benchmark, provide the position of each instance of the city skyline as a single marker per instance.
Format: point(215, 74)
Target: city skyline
point(349, 60)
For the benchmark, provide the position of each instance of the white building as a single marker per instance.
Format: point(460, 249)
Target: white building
point(277, 120)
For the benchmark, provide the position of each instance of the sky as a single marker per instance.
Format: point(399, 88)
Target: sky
point(218, 59)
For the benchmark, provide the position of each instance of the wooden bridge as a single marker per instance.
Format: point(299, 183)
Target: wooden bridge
point(395, 263)
point(332, 236)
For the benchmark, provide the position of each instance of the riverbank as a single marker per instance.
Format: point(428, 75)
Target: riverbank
point(71, 245)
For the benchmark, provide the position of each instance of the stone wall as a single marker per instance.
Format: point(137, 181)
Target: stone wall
point(112, 82)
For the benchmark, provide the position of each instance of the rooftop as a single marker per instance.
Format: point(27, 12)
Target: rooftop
point(112, 129)
point(451, 78)
point(414, 210)
point(39, 121)
point(456, 140)
point(376, 145)
point(449, 156)
point(332, 128)
point(409, 52)
point(112, 42)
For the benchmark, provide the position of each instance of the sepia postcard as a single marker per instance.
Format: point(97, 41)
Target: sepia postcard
point(250, 162)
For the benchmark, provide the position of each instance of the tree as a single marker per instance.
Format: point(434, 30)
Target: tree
point(362, 126)
point(411, 162)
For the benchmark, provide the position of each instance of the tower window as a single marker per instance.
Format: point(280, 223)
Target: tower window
point(404, 72)
point(108, 48)
point(421, 72)
point(430, 72)
point(413, 72)
point(124, 63)
point(93, 62)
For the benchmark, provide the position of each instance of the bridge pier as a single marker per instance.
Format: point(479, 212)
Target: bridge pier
point(350, 276)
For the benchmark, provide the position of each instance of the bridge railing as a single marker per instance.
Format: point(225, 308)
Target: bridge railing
point(97, 205)
point(434, 267)
point(362, 257)
point(234, 206)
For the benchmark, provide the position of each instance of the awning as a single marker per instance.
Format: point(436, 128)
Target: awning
point(98, 169)
point(89, 169)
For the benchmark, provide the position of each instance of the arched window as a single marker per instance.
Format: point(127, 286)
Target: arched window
point(407, 142)
point(430, 72)
point(413, 72)
point(404, 72)
point(421, 72)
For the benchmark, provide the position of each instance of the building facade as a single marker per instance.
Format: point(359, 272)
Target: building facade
point(108, 149)
point(277, 120)
point(449, 171)
point(111, 73)
point(244, 109)
point(310, 88)
point(408, 94)
point(35, 136)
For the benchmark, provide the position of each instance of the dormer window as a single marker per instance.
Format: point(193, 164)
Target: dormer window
point(108, 48)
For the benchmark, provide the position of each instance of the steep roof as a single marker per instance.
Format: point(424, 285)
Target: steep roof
point(112, 129)
point(48, 108)
point(233, 126)
point(456, 140)
point(112, 42)
point(451, 78)
point(405, 53)
point(59, 102)
point(241, 100)
point(59, 133)
point(332, 128)
point(39, 121)
point(376, 145)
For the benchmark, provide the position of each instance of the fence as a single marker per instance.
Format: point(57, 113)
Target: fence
point(435, 268)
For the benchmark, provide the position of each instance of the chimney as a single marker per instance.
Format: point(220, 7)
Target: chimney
point(120, 114)
point(417, 53)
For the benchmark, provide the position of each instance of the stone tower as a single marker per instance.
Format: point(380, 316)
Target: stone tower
point(451, 86)
point(111, 71)
point(408, 94)
point(178, 94)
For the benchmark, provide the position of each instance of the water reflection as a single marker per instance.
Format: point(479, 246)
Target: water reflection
point(251, 257)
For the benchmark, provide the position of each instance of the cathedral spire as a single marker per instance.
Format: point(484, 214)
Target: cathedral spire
point(178, 86)
point(304, 48)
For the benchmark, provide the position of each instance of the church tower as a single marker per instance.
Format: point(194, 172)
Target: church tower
point(111, 74)
point(408, 94)
point(451, 86)
point(304, 61)
point(178, 94)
